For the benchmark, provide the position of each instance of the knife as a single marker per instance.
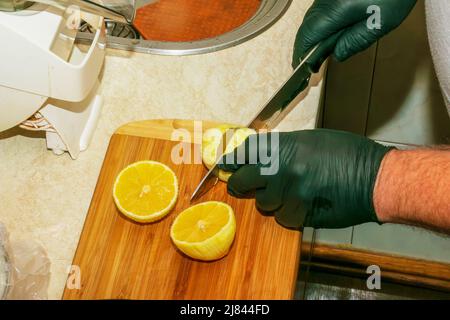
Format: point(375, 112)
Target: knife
point(276, 108)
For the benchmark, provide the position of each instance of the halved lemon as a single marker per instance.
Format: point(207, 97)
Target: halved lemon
point(205, 231)
point(212, 141)
point(146, 191)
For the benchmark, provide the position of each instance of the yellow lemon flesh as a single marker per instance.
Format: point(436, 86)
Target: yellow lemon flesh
point(212, 141)
point(145, 191)
point(204, 231)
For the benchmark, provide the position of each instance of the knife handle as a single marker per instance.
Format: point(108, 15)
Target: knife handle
point(322, 52)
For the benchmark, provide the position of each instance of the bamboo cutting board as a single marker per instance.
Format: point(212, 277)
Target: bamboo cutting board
point(121, 259)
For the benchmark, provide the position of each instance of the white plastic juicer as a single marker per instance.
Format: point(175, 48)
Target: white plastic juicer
point(46, 82)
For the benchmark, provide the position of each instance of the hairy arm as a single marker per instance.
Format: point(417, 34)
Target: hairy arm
point(413, 187)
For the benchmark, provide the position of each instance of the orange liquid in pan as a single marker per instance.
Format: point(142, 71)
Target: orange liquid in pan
point(190, 20)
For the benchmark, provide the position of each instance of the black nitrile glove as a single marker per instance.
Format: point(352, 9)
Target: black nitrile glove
point(324, 178)
point(328, 17)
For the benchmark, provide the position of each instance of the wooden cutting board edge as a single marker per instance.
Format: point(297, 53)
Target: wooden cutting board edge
point(163, 128)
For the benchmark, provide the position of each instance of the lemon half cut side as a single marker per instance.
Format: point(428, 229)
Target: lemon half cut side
point(146, 191)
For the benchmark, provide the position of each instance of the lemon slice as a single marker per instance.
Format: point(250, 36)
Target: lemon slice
point(211, 142)
point(145, 191)
point(205, 231)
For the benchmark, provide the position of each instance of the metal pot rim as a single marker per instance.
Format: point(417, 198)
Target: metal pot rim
point(268, 14)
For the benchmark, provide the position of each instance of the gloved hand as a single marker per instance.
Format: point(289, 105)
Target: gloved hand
point(328, 17)
point(324, 177)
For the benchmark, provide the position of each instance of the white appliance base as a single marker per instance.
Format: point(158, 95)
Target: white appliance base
point(73, 124)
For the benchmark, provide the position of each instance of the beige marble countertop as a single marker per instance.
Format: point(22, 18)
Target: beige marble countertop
point(45, 198)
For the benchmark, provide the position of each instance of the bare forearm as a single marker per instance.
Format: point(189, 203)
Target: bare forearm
point(413, 187)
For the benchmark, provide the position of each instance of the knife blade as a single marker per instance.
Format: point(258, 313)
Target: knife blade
point(268, 117)
point(274, 110)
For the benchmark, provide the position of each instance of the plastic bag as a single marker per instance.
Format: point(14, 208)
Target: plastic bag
point(5, 271)
point(24, 269)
